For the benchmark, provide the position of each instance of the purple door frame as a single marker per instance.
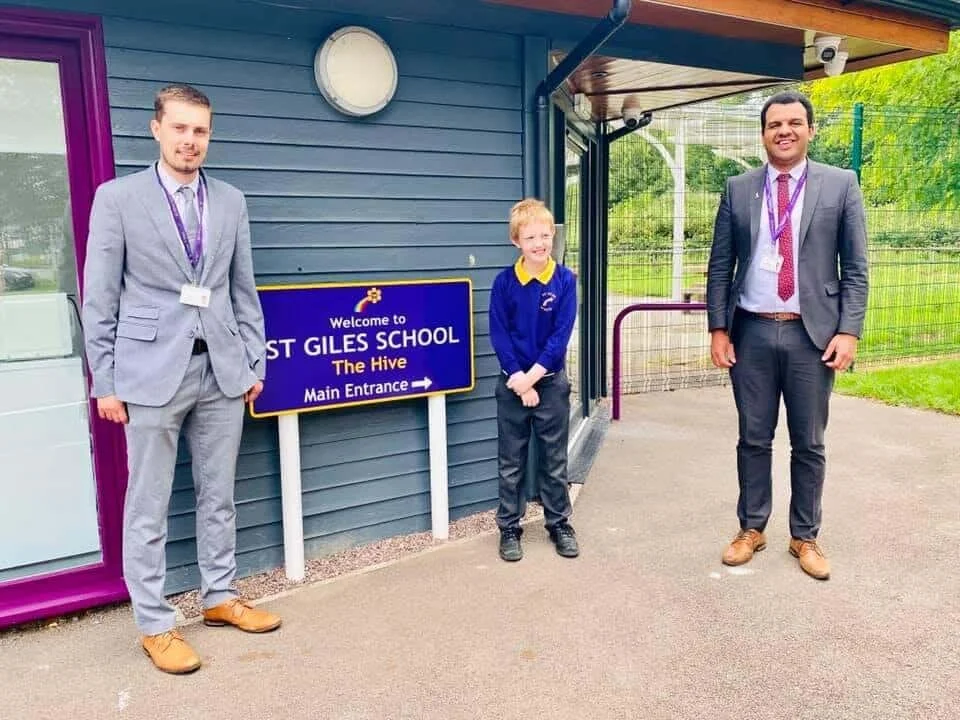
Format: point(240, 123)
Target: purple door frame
point(75, 42)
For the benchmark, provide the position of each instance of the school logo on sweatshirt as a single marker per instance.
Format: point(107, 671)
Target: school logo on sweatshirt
point(547, 301)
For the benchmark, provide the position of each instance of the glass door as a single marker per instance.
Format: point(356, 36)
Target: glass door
point(570, 255)
point(60, 470)
point(50, 522)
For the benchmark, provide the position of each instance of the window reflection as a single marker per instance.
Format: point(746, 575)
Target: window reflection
point(48, 517)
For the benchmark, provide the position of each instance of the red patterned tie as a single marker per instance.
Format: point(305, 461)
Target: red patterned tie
point(785, 279)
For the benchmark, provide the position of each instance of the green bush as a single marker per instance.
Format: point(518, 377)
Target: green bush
point(645, 221)
point(935, 237)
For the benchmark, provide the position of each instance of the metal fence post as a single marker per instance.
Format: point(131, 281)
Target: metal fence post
point(856, 151)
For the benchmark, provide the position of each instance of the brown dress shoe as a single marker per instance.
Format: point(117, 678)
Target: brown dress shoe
point(812, 560)
point(744, 545)
point(241, 615)
point(170, 652)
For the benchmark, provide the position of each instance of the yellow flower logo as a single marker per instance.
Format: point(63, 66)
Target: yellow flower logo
point(372, 297)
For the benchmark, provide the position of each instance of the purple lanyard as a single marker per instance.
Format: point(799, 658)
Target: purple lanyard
point(790, 205)
point(193, 253)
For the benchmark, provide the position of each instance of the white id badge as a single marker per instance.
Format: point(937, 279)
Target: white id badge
point(771, 262)
point(195, 295)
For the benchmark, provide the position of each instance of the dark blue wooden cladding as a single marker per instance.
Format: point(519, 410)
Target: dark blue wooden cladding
point(135, 95)
point(278, 131)
point(486, 239)
point(305, 184)
point(314, 209)
point(371, 260)
point(214, 72)
point(136, 153)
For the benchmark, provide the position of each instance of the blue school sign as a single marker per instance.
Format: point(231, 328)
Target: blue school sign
point(332, 346)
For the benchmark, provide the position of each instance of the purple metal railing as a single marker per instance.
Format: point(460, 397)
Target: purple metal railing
point(616, 338)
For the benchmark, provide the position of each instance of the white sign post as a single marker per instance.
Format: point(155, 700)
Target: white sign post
point(361, 343)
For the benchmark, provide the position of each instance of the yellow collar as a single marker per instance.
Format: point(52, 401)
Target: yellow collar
point(544, 277)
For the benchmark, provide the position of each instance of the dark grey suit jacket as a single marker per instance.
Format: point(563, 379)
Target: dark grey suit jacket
point(832, 263)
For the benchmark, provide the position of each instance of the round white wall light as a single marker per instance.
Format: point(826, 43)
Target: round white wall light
point(356, 71)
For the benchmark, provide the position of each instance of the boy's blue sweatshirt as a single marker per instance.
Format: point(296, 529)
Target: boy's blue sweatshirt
point(531, 317)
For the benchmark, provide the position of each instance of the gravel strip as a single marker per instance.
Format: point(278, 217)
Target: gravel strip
point(270, 583)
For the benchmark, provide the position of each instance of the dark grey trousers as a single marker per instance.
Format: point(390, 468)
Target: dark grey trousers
point(777, 358)
point(550, 422)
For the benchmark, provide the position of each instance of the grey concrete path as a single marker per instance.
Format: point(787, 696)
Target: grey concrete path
point(645, 624)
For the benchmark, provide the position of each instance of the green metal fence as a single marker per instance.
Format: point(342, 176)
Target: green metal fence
point(665, 184)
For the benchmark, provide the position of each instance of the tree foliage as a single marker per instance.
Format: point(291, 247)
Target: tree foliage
point(911, 129)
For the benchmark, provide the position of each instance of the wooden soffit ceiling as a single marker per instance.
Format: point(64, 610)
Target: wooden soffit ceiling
point(872, 36)
point(770, 20)
point(606, 85)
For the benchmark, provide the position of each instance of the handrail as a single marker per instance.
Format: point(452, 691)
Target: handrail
point(616, 339)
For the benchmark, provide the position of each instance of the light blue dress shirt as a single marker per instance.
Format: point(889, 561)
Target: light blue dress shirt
point(759, 291)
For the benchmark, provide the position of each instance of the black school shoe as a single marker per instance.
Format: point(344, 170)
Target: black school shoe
point(510, 549)
point(565, 540)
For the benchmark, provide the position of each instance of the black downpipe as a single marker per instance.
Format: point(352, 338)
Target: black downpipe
point(585, 48)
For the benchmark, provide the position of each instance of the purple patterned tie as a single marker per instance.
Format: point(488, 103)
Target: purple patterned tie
point(785, 287)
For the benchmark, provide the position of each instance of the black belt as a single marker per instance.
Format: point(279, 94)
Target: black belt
point(199, 346)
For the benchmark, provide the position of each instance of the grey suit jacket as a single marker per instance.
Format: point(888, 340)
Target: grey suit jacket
point(832, 263)
point(139, 336)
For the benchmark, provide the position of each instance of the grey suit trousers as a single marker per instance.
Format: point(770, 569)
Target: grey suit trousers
point(212, 424)
point(777, 358)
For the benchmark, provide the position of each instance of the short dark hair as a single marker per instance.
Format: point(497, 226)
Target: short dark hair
point(181, 92)
point(787, 97)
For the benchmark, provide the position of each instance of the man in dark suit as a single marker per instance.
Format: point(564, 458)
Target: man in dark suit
point(786, 299)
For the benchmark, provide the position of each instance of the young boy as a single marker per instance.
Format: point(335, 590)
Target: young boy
point(532, 309)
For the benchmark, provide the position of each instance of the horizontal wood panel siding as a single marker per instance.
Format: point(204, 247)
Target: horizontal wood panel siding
point(420, 190)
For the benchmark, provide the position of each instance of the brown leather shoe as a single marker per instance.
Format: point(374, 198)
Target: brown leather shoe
point(241, 615)
point(744, 545)
point(170, 653)
point(812, 560)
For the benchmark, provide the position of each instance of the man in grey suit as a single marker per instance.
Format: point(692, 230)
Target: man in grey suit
point(783, 319)
point(175, 341)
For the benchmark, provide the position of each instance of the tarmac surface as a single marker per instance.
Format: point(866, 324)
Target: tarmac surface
point(646, 623)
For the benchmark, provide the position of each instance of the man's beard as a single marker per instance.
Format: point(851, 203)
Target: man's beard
point(184, 165)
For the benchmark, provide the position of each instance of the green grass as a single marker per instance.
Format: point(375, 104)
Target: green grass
point(914, 304)
point(932, 386)
point(649, 273)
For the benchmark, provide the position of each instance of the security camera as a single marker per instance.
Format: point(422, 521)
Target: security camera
point(835, 67)
point(634, 118)
point(827, 48)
